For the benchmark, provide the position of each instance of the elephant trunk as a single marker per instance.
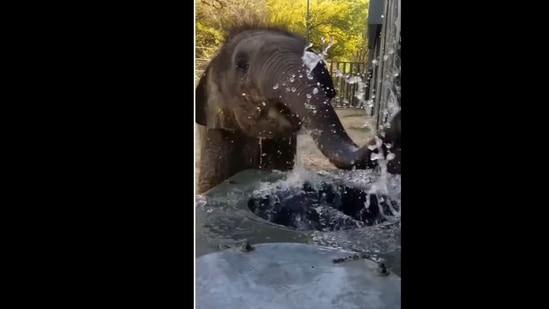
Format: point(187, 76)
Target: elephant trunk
point(291, 84)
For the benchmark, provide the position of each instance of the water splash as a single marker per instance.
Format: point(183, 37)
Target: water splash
point(386, 184)
point(328, 46)
point(311, 59)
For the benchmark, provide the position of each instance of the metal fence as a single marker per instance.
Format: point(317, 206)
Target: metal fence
point(350, 91)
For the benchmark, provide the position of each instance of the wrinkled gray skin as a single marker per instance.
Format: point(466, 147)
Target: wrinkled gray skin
point(238, 104)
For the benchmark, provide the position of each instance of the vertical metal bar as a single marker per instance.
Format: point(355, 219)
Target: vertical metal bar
point(337, 81)
point(356, 88)
point(308, 41)
point(378, 102)
point(345, 84)
point(353, 86)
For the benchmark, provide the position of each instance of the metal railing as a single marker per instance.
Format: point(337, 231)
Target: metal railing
point(348, 93)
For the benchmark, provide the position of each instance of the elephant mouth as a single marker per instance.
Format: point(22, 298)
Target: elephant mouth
point(281, 119)
point(328, 208)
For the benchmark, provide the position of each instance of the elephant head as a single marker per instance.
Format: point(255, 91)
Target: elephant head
point(265, 84)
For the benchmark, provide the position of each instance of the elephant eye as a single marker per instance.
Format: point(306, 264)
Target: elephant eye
point(242, 65)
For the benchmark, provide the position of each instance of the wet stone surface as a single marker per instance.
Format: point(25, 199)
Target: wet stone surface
point(290, 275)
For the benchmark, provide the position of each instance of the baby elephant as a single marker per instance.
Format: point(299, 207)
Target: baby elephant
point(255, 94)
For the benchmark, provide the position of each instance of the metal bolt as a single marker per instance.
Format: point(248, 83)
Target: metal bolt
point(246, 247)
point(382, 269)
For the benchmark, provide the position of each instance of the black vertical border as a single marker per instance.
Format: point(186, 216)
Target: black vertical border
point(466, 118)
point(129, 227)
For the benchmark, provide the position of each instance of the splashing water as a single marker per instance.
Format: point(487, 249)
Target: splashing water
point(311, 59)
point(328, 46)
point(386, 184)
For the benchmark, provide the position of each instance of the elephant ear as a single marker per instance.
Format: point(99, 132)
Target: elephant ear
point(212, 108)
point(201, 102)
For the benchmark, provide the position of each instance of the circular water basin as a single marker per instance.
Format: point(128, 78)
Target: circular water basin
point(271, 207)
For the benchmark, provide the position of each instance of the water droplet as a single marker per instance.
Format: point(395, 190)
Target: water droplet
point(391, 51)
point(385, 57)
point(374, 61)
point(376, 156)
point(263, 103)
point(275, 86)
point(315, 91)
point(287, 89)
point(243, 94)
point(308, 95)
point(292, 79)
point(390, 156)
point(293, 89)
point(300, 75)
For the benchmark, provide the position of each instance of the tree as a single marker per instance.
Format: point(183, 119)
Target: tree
point(343, 21)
